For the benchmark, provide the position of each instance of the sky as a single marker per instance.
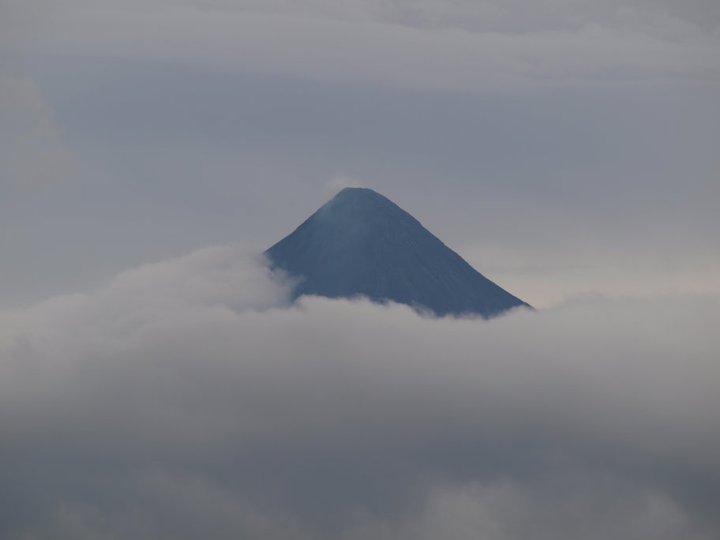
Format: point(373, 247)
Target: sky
point(156, 382)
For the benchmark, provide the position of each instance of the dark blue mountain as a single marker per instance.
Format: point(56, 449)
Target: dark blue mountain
point(362, 244)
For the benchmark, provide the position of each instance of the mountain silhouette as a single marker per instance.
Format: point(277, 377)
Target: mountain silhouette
point(362, 244)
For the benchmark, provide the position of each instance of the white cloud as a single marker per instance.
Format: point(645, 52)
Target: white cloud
point(385, 43)
point(184, 399)
point(504, 510)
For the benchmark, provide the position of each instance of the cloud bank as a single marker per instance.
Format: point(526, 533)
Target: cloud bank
point(186, 399)
point(428, 45)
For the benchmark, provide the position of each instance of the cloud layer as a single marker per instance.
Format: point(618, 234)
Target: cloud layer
point(186, 399)
point(427, 46)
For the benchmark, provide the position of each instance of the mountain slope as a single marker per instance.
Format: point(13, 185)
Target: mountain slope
point(362, 244)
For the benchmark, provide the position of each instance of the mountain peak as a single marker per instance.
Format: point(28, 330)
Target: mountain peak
point(355, 211)
point(360, 243)
point(358, 203)
point(359, 193)
point(354, 198)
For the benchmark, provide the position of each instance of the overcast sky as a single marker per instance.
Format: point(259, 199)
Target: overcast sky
point(563, 147)
point(568, 149)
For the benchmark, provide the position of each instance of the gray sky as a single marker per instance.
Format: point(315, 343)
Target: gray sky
point(567, 149)
point(564, 148)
